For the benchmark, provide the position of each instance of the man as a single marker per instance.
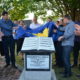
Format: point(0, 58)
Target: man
point(34, 24)
point(76, 45)
point(67, 43)
point(77, 32)
point(6, 26)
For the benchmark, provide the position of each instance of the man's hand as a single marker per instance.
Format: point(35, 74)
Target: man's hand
point(61, 38)
point(1, 34)
point(55, 30)
point(14, 32)
point(24, 27)
point(77, 33)
point(15, 27)
point(77, 27)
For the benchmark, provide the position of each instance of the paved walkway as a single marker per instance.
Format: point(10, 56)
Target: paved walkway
point(8, 73)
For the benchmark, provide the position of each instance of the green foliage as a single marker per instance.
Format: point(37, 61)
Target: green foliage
point(59, 7)
point(18, 8)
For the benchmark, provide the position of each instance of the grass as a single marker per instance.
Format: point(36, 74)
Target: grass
point(75, 71)
point(57, 69)
point(19, 61)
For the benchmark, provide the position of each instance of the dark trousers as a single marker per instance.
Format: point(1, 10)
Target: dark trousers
point(58, 54)
point(76, 52)
point(19, 44)
point(1, 49)
point(66, 58)
point(9, 49)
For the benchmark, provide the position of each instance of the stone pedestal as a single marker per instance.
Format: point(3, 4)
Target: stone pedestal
point(38, 59)
point(38, 75)
point(35, 72)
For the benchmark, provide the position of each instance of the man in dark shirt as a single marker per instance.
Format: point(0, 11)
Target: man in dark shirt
point(6, 26)
point(77, 32)
point(76, 47)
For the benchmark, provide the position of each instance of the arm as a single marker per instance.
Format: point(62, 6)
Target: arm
point(69, 31)
point(5, 26)
point(77, 27)
point(77, 31)
point(1, 34)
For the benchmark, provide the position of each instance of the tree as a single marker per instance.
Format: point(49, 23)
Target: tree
point(59, 8)
point(18, 8)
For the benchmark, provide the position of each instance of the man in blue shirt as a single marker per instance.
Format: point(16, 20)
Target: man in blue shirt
point(67, 43)
point(6, 26)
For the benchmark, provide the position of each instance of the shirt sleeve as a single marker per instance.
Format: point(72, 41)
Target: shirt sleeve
point(4, 27)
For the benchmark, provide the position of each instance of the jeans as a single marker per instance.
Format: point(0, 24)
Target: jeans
point(66, 58)
point(58, 54)
point(19, 44)
point(9, 49)
point(1, 49)
point(76, 52)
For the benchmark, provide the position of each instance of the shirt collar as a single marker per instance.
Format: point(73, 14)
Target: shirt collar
point(69, 21)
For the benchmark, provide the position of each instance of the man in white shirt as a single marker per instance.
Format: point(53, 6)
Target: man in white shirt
point(34, 23)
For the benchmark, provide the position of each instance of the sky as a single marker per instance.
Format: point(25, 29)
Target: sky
point(31, 15)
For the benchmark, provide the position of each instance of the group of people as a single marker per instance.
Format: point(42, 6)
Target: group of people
point(65, 35)
point(7, 41)
point(67, 41)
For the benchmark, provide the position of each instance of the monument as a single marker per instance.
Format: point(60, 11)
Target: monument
point(38, 59)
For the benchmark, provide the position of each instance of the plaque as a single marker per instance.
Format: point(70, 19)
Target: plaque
point(37, 62)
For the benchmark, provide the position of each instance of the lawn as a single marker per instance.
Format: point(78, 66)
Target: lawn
point(59, 76)
point(57, 69)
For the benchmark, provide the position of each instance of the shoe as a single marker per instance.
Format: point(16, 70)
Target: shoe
point(74, 65)
point(78, 75)
point(7, 65)
point(13, 66)
point(67, 75)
